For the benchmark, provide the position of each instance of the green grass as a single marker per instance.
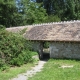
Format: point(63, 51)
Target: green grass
point(33, 53)
point(53, 71)
point(14, 71)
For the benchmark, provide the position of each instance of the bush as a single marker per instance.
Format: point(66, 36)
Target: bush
point(3, 66)
point(2, 27)
point(14, 49)
point(46, 44)
point(53, 18)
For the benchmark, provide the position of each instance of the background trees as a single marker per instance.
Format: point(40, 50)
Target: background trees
point(23, 12)
point(64, 9)
point(7, 11)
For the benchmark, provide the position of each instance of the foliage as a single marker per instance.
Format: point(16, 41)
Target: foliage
point(22, 31)
point(34, 12)
point(53, 70)
point(2, 27)
point(9, 15)
point(33, 53)
point(21, 12)
point(72, 10)
point(53, 18)
point(14, 71)
point(14, 49)
point(7, 10)
point(64, 9)
point(46, 45)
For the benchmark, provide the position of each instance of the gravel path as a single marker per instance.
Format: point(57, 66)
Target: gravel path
point(31, 72)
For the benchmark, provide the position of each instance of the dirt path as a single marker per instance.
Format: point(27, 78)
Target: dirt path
point(30, 73)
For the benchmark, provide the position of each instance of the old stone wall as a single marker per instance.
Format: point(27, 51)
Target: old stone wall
point(65, 50)
point(37, 46)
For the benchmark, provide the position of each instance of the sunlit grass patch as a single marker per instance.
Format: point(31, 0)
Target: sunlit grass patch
point(53, 70)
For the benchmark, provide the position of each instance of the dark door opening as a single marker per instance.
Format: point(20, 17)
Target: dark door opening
point(46, 51)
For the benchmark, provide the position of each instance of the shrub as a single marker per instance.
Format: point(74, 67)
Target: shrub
point(3, 65)
point(1, 26)
point(53, 18)
point(14, 49)
point(46, 44)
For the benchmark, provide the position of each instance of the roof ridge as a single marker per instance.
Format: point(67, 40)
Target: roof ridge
point(62, 22)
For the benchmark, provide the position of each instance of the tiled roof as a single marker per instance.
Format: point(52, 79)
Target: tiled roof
point(57, 31)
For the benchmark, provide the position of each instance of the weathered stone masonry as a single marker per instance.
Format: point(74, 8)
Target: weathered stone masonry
point(38, 47)
point(65, 50)
point(69, 50)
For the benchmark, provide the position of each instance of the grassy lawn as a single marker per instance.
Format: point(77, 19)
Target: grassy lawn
point(59, 70)
point(14, 71)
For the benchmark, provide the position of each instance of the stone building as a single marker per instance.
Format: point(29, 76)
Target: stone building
point(63, 37)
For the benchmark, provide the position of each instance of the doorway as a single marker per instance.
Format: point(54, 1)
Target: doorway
point(46, 50)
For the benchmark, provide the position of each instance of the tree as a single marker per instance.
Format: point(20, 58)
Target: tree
point(35, 13)
point(7, 9)
point(21, 12)
point(32, 12)
point(64, 9)
point(39, 1)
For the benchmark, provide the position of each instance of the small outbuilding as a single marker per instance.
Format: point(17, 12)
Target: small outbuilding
point(64, 39)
